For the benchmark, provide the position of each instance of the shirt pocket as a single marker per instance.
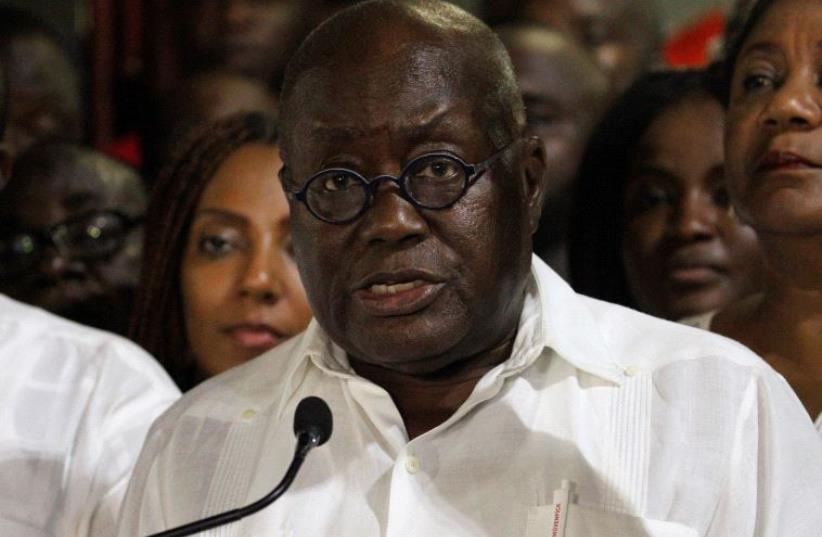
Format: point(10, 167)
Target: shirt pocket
point(591, 522)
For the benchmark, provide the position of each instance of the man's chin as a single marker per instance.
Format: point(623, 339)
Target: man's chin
point(106, 312)
point(407, 354)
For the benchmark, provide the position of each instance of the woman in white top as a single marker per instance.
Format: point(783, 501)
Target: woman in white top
point(773, 147)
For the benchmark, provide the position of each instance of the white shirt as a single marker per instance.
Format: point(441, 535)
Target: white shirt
point(664, 430)
point(75, 405)
point(704, 320)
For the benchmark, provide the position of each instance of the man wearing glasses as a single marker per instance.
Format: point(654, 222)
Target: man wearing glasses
point(75, 403)
point(70, 234)
point(473, 392)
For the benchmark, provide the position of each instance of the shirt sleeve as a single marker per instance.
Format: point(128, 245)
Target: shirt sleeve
point(774, 483)
point(130, 391)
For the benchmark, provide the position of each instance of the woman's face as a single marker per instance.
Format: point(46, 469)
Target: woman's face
point(240, 288)
point(684, 251)
point(774, 140)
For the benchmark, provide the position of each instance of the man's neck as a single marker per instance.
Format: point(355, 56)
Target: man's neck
point(427, 400)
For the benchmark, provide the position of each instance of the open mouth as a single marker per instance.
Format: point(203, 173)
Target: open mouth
point(398, 298)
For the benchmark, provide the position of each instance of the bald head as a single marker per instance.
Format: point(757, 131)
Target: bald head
point(397, 44)
point(66, 168)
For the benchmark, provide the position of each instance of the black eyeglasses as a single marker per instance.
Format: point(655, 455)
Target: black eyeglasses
point(434, 180)
point(91, 236)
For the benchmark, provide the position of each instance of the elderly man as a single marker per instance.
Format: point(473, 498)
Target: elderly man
point(474, 393)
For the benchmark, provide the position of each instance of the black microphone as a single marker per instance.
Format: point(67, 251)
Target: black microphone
point(312, 427)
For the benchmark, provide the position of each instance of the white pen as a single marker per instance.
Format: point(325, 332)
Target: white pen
point(562, 499)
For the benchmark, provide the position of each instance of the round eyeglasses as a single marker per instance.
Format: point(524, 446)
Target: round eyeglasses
point(434, 180)
point(89, 236)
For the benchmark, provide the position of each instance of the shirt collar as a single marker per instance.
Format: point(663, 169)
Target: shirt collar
point(553, 316)
point(568, 325)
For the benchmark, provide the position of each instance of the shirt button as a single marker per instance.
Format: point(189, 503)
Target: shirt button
point(632, 371)
point(248, 415)
point(412, 465)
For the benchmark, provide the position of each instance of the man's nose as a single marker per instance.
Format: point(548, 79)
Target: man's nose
point(695, 217)
point(57, 266)
point(260, 278)
point(796, 104)
point(392, 218)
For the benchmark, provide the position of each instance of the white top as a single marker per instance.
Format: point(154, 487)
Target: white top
point(75, 405)
point(663, 430)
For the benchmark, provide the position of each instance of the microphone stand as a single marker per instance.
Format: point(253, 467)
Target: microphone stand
point(305, 442)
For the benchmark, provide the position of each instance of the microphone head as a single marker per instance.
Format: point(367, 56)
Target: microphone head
point(313, 417)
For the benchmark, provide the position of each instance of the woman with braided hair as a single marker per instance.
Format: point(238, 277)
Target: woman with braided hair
point(219, 285)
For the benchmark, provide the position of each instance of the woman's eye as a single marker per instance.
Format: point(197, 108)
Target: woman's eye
point(216, 245)
point(648, 198)
point(756, 81)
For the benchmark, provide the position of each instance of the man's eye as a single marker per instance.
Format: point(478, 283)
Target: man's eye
point(338, 182)
point(438, 169)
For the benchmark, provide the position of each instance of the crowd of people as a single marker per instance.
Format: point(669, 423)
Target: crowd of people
point(547, 284)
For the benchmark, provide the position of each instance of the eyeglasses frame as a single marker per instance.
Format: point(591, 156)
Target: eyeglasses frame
point(473, 172)
point(51, 234)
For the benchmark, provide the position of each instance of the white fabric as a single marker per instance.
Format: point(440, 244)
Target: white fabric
point(704, 321)
point(664, 430)
point(75, 405)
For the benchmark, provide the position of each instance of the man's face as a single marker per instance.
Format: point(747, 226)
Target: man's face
point(252, 37)
point(616, 32)
point(44, 94)
point(409, 289)
point(58, 280)
point(564, 95)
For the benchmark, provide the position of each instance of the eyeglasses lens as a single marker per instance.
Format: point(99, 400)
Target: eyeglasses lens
point(436, 181)
point(17, 253)
point(336, 195)
point(94, 237)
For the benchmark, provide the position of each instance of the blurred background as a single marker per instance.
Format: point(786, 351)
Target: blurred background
point(131, 51)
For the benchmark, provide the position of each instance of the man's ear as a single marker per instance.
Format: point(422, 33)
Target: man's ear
point(5, 164)
point(533, 176)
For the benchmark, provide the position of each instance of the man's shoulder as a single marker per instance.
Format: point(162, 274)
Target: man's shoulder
point(650, 343)
point(259, 384)
point(29, 333)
